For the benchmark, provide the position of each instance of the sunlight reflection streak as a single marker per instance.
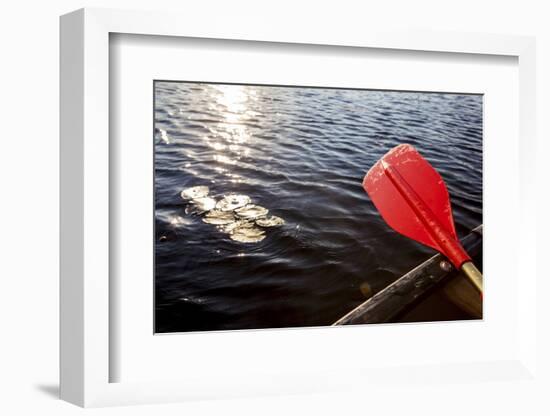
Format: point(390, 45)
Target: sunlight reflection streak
point(230, 136)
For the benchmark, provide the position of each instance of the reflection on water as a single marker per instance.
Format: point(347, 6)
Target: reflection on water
point(302, 154)
point(230, 136)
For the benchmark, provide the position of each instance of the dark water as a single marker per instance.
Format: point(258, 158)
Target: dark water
point(302, 153)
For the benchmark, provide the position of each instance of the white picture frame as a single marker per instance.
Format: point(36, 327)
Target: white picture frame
point(85, 221)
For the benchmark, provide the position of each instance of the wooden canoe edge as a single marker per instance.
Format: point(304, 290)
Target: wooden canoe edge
point(399, 295)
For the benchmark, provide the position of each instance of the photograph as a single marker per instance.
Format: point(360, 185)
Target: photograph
point(298, 206)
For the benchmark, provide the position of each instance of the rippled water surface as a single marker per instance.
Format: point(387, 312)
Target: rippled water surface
point(301, 153)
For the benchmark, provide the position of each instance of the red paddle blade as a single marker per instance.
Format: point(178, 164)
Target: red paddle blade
point(413, 199)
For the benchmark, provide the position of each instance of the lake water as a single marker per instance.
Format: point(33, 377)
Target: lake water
point(302, 153)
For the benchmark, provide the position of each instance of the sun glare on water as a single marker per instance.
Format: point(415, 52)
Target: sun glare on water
point(230, 137)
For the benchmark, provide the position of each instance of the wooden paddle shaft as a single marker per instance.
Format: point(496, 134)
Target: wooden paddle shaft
point(473, 274)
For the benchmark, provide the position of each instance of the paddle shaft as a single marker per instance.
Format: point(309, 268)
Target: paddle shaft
point(473, 274)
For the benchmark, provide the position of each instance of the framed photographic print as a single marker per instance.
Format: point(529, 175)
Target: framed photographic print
point(237, 207)
point(260, 217)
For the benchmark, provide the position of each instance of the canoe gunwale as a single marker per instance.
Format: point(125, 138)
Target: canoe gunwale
point(405, 291)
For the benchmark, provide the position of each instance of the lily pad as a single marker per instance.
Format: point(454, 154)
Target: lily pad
point(204, 204)
point(272, 221)
point(232, 202)
point(195, 192)
point(248, 234)
point(218, 217)
point(229, 228)
point(251, 212)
